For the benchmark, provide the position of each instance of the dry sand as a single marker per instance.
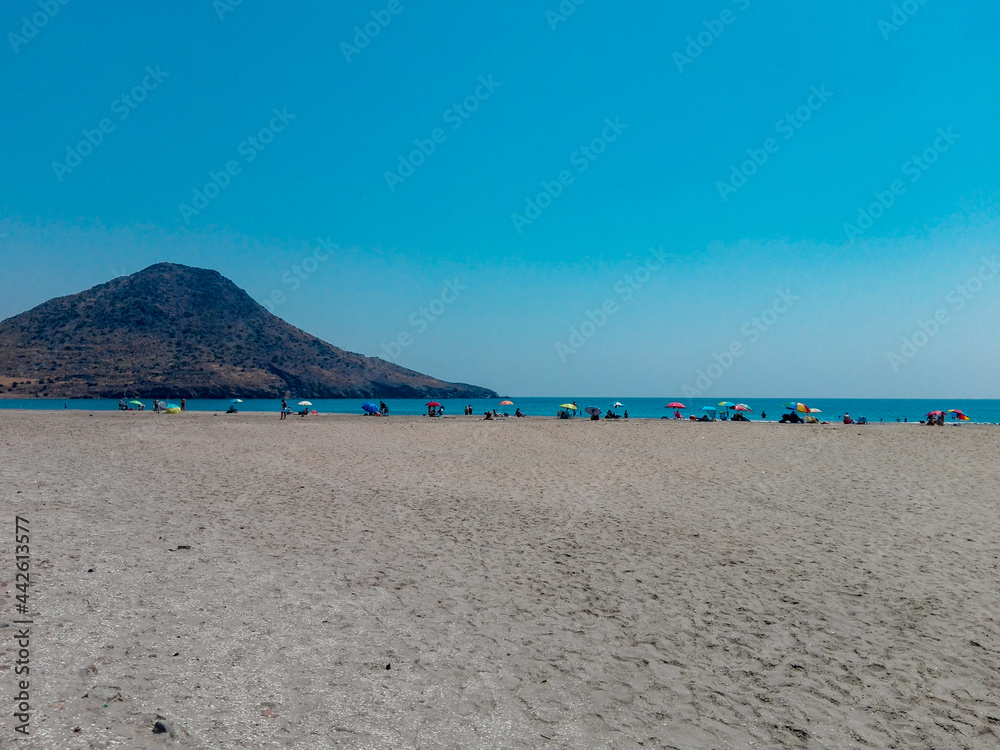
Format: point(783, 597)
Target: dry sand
point(531, 583)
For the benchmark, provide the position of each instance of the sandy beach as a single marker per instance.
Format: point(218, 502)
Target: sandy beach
point(539, 583)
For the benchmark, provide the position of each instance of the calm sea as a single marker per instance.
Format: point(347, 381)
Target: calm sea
point(876, 410)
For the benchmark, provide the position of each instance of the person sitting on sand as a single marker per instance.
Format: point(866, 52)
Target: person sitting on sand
point(488, 416)
point(677, 414)
point(847, 419)
point(518, 413)
point(231, 409)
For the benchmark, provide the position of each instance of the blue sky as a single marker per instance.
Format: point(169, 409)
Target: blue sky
point(806, 185)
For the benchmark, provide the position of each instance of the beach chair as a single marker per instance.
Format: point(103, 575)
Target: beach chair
point(862, 420)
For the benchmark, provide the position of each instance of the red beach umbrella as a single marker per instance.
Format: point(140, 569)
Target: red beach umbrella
point(675, 405)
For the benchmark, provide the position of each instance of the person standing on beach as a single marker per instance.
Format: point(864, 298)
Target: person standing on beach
point(383, 408)
point(284, 408)
point(184, 404)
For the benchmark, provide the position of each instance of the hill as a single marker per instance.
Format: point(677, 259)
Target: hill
point(172, 331)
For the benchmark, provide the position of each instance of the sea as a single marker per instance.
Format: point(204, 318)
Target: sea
point(832, 409)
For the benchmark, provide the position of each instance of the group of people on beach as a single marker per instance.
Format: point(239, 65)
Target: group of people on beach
point(286, 410)
point(489, 415)
point(158, 405)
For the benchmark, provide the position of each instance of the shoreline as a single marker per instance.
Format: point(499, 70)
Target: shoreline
point(470, 418)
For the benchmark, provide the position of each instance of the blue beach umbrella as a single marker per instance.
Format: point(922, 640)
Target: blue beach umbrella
point(369, 407)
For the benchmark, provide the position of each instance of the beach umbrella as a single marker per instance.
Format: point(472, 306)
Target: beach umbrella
point(236, 401)
point(617, 405)
point(572, 407)
point(815, 411)
point(506, 403)
point(727, 404)
point(959, 414)
point(593, 411)
point(742, 407)
point(937, 413)
point(369, 407)
point(305, 403)
point(173, 409)
point(710, 409)
point(796, 406)
point(136, 403)
point(675, 405)
point(432, 403)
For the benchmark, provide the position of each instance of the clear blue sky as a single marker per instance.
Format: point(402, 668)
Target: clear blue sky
point(833, 100)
